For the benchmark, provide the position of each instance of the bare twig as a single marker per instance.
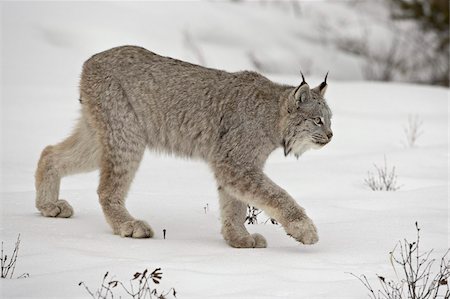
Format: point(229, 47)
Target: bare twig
point(252, 215)
point(7, 268)
point(384, 180)
point(190, 44)
point(417, 280)
point(413, 130)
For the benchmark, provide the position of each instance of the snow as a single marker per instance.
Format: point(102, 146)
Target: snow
point(43, 47)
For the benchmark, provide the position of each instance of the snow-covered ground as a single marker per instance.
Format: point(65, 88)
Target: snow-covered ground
point(43, 47)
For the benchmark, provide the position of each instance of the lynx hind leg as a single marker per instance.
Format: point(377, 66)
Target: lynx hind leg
point(80, 152)
point(117, 170)
point(124, 143)
point(233, 214)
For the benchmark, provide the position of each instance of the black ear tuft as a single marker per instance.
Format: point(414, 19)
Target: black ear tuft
point(324, 83)
point(302, 92)
point(323, 86)
point(303, 79)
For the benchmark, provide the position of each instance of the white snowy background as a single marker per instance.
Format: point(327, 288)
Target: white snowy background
point(43, 45)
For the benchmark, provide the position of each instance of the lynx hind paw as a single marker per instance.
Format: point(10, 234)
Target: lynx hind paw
point(248, 241)
point(61, 209)
point(135, 229)
point(303, 231)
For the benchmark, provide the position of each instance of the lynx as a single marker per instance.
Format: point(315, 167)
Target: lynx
point(133, 99)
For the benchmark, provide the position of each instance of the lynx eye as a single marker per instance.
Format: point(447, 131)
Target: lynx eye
point(318, 121)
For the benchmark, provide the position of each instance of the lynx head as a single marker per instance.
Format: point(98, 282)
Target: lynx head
point(306, 123)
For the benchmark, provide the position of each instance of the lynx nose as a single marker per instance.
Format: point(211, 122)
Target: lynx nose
point(329, 135)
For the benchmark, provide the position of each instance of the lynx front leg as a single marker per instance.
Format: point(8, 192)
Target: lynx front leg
point(253, 187)
point(233, 214)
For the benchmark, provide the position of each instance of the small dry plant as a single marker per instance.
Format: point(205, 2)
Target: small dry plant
point(140, 286)
point(252, 216)
point(8, 266)
point(413, 130)
point(385, 179)
point(416, 279)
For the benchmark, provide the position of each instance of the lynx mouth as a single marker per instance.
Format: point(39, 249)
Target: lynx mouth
point(321, 143)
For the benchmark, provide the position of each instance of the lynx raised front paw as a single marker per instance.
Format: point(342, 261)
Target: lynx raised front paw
point(303, 231)
point(61, 208)
point(135, 229)
point(246, 241)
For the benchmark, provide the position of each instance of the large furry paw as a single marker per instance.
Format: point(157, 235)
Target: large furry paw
point(303, 231)
point(135, 229)
point(61, 208)
point(247, 241)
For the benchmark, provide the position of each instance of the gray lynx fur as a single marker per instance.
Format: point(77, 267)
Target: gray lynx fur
point(132, 99)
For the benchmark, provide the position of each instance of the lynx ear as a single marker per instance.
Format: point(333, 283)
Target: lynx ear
point(302, 92)
point(322, 88)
